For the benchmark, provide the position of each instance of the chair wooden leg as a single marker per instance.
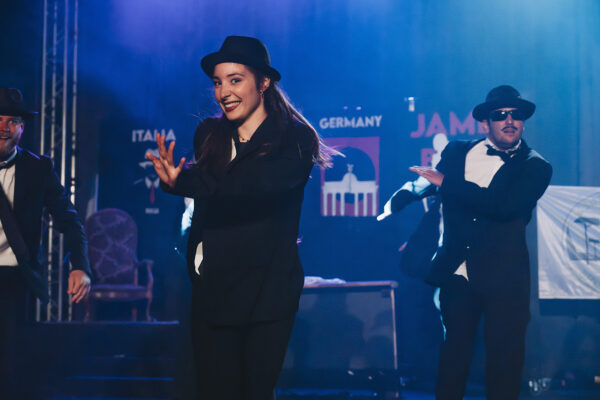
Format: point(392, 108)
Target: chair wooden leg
point(148, 318)
point(134, 312)
point(88, 311)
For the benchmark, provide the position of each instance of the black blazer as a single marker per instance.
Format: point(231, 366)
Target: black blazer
point(37, 187)
point(486, 226)
point(247, 220)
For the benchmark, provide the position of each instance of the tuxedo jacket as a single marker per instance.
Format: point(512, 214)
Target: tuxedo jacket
point(37, 186)
point(486, 226)
point(247, 220)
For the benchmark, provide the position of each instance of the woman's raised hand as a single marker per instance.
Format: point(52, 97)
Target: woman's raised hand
point(164, 165)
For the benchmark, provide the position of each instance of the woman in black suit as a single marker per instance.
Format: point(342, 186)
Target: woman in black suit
point(248, 185)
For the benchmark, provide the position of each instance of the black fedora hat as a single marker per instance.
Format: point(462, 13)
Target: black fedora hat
point(501, 97)
point(11, 103)
point(242, 50)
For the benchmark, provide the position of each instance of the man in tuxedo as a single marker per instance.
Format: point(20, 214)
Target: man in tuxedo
point(489, 189)
point(28, 184)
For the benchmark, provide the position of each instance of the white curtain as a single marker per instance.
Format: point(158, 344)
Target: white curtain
point(568, 219)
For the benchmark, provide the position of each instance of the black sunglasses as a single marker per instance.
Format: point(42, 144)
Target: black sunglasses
point(501, 115)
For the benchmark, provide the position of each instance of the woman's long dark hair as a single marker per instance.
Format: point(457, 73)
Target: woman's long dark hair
point(215, 152)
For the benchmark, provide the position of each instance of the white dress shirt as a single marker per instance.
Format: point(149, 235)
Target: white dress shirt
point(7, 180)
point(480, 168)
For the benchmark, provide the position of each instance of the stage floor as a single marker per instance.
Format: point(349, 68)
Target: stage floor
point(360, 395)
point(141, 361)
point(426, 395)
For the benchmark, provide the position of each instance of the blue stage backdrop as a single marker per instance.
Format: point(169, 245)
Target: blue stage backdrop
point(377, 79)
point(351, 67)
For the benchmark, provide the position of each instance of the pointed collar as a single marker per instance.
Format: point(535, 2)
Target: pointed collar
point(9, 162)
point(491, 144)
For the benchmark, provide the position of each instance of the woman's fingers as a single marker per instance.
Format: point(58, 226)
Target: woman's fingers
point(162, 150)
point(164, 164)
point(155, 161)
point(165, 154)
point(181, 164)
point(170, 153)
point(159, 167)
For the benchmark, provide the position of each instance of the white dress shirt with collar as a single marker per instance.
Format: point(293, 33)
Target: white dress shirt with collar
point(7, 180)
point(480, 168)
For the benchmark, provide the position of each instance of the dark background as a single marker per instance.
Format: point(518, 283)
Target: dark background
point(139, 70)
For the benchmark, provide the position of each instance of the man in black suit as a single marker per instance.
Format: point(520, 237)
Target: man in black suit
point(28, 184)
point(489, 189)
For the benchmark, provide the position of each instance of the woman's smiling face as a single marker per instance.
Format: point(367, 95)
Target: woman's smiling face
point(236, 91)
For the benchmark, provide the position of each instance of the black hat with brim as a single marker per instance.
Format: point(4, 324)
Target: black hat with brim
point(242, 50)
point(11, 103)
point(503, 97)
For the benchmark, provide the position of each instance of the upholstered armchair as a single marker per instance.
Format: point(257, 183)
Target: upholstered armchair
point(112, 241)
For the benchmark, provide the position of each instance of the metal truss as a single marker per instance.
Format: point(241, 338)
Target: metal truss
point(58, 139)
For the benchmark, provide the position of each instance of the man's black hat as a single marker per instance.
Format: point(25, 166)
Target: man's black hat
point(11, 103)
point(503, 97)
point(242, 50)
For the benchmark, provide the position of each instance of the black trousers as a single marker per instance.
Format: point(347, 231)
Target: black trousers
point(505, 324)
point(12, 317)
point(239, 362)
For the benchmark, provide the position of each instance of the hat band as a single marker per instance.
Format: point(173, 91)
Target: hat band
point(210, 61)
